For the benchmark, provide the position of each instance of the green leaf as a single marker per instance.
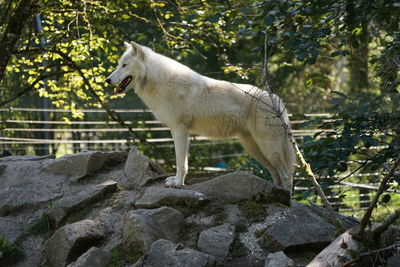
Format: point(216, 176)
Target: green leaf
point(386, 198)
point(339, 94)
point(269, 20)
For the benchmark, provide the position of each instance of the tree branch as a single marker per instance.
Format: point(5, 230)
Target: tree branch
point(367, 215)
point(15, 25)
point(377, 232)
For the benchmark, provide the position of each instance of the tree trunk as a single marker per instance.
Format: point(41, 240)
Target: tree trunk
point(18, 19)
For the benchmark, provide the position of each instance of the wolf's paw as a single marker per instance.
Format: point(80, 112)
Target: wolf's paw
point(173, 182)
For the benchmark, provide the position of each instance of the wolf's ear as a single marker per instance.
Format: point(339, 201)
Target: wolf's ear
point(127, 45)
point(137, 49)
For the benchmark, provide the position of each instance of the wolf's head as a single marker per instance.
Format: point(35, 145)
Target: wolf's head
point(130, 68)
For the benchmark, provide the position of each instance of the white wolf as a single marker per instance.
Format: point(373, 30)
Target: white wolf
point(188, 102)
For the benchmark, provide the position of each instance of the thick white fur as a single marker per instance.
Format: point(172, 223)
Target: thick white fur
point(188, 102)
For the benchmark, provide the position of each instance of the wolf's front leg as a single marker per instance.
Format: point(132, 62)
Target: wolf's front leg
point(181, 141)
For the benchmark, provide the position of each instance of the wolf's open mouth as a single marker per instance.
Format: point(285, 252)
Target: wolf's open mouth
point(122, 86)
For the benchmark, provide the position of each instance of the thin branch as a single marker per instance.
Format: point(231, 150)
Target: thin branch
point(367, 215)
point(374, 253)
point(376, 233)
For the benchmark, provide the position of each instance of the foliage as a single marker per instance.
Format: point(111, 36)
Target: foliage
point(364, 129)
point(9, 253)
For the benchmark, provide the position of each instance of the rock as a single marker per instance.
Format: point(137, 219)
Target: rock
point(94, 257)
point(217, 240)
point(144, 226)
point(278, 259)
point(77, 166)
point(9, 229)
point(27, 158)
point(77, 201)
point(24, 186)
point(394, 260)
point(242, 185)
point(166, 253)
point(70, 241)
point(32, 249)
point(300, 227)
point(140, 169)
point(161, 196)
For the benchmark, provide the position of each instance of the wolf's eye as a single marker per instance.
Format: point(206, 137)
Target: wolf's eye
point(123, 65)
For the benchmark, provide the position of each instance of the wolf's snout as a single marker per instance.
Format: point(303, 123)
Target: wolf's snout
point(108, 80)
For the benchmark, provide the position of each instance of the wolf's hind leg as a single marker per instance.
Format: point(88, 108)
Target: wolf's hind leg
point(252, 148)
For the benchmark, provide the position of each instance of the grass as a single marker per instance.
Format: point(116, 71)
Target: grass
point(237, 248)
point(253, 211)
point(119, 257)
point(9, 253)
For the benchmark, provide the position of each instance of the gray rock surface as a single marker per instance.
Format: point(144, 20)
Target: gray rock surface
point(71, 240)
point(27, 158)
point(94, 257)
point(24, 186)
point(242, 185)
point(217, 240)
point(155, 197)
point(140, 169)
point(301, 227)
point(278, 259)
point(77, 166)
point(166, 253)
point(76, 201)
point(144, 226)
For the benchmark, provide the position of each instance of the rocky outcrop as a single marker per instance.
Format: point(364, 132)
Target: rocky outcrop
point(94, 257)
point(240, 186)
point(24, 186)
point(217, 240)
point(71, 240)
point(141, 170)
point(278, 259)
point(77, 166)
point(155, 197)
point(144, 226)
point(79, 209)
point(85, 197)
point(301, 227)
point(166, 253)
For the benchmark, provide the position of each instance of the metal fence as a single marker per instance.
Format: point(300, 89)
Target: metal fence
point(59, 134)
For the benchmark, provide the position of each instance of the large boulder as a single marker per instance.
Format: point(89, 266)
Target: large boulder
point(26, 158)
point(155, 197)
point(77, 166)
point(242, 185)
point(87, 196)
point(141, 170)
point(24, 186)
point(94, 257)
point(217, 240)
point(144, 226)
point(301, 227)
point(166, 253)
point(278, 259)
point(72, 240)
